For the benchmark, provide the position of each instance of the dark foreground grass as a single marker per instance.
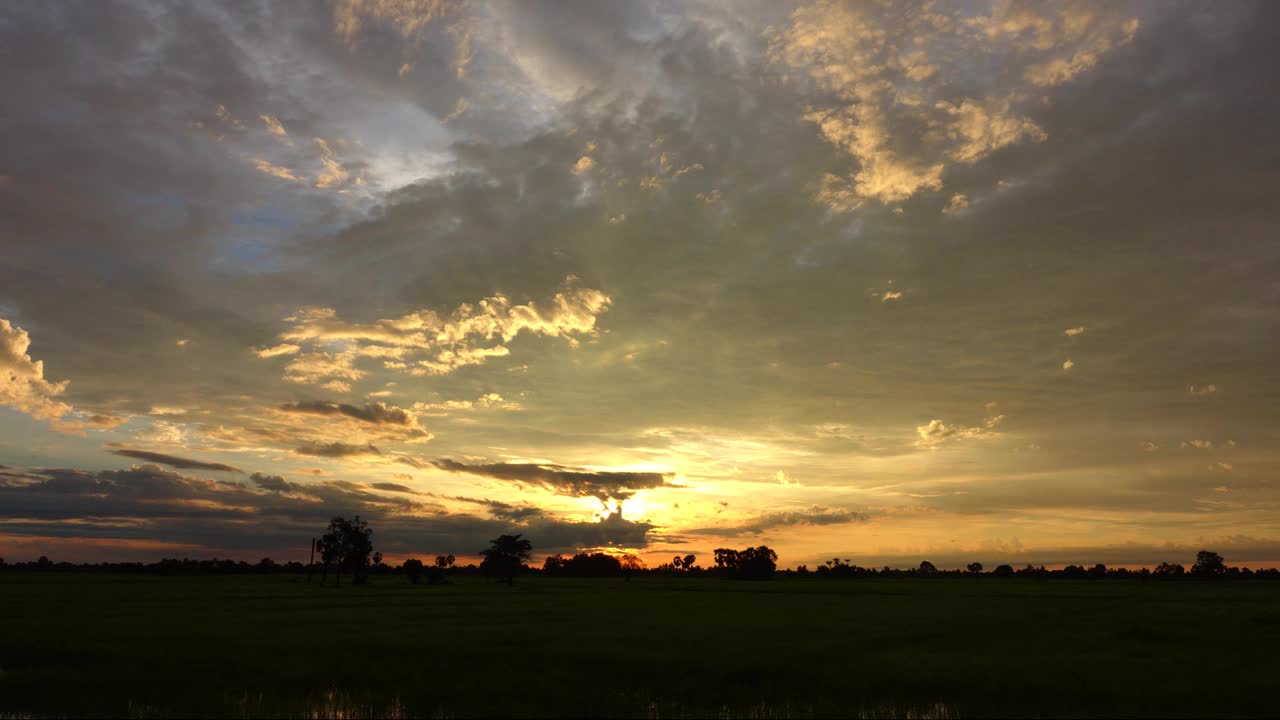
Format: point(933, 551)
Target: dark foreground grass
point(83, 644)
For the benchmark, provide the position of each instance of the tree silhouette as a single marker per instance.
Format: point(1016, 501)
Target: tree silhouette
point(726, 561)
point(974, 568)
point(690, 562)
point(347, 544)
point(928, 568)
point(505, 557)
point(442, 564)
point(413, 570)
point(757, 563)
point(1208, 564)
point(330, 552)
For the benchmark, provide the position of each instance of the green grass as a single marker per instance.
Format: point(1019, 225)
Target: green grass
point(75, 644)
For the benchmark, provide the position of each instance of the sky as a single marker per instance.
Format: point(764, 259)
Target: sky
point(889, 282)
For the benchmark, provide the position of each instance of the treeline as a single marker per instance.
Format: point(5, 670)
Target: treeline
point(604, 565)
point(1207, 565)
point(346, 548)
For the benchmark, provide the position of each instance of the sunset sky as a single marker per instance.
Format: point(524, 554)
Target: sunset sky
point(889, 282)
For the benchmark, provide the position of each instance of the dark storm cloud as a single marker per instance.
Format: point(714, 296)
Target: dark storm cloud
point(173, 460)
point(574, 482)
point(336, 449)
point(375, 413)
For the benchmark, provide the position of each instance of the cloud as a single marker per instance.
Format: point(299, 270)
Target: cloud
point(334, 370)
point(375, 413)
point(522, 512)
point(268, 168)
point(816, 515)
point(273, 125)
point(268, 516)
point(958, 202)
point(611, 531)
point(277, 350)
point(936, 433)
point(23, 386)
point(274, 483)
point(337, 450)
point(393, 487)
point(353, 18)
point(439, 344)
point(903, 110)
point(484, 402)
point(174, 461)
point(574, 482)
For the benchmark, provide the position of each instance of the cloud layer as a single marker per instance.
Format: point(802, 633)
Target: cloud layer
point(830, 276)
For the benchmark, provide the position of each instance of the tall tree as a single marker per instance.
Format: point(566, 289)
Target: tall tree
point(1208, 564)
point(505, 556)
point(347, 544)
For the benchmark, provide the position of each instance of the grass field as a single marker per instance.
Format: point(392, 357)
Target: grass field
point(75, 644)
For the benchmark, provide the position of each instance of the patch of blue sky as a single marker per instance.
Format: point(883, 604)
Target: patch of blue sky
point(27, 442)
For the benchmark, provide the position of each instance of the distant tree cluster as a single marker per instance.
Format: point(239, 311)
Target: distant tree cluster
point(753, 563)
point(1208, 565)
point(166, 566)
point(591, 565)
point(687, 565)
